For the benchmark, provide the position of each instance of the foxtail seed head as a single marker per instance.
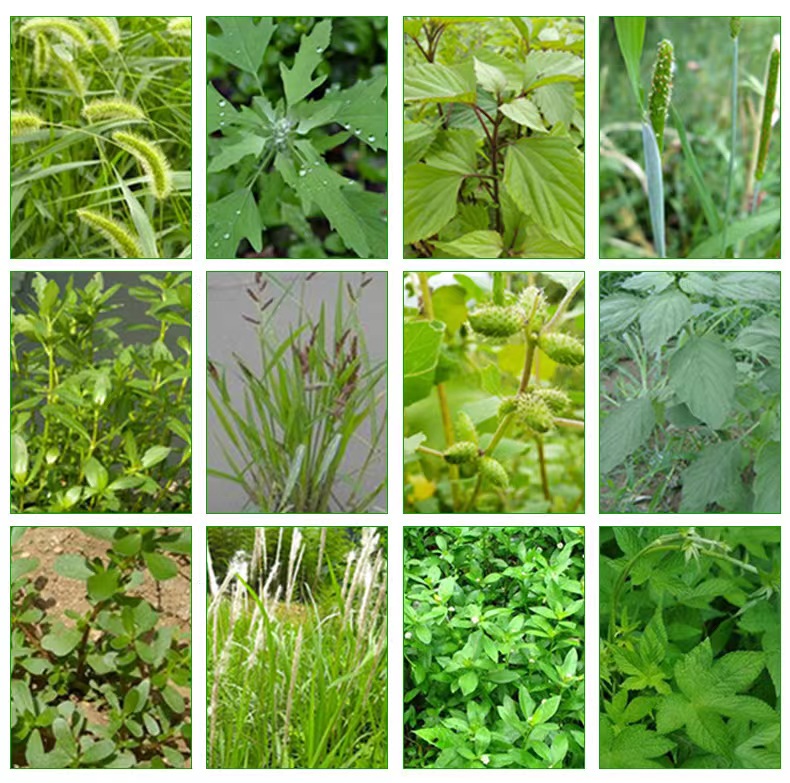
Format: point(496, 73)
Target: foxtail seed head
point(492, 471)
point(768, 111)
point(112, 109)
point(56, 24)
point(735, 26)
point(563, 348)
point(465, 428)
point(461, 452)
point(151, 158)
point(42, 55)
point(497, 321)
point(114, 232)
point(106, 30)
point(24, 122)
point(180, 26)
point(72, 76)
point(661, 89)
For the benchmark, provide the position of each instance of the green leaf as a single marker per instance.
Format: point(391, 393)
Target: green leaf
point(98, 751)
point(618, 312)
point(21, 566)
point(160, 566)
point(738, 231)
point(768, 483)
point(748, 286)
point(103, 585)
point(714, 477)
point(556, 102)
point(102, 533)
point(542, 67)
point(230, 220)
point(128, 545)
point(702, 373)
point(19, 457)
point(362, 110)
point(524, 112)
point(624, 430)
point(630, 32)
point(220, 112)
point(475, 244)
point(489, 77)
point(410, 445)
point(762, 338)
point(61, 640)
point(298, 81)
point(173, 699)
point(417, 139)
point(230, 154)
point(468, 682)
point(37, 758)
point(421, 343)
point(545, 177)
point(546, 709)
point(243, 41)
point(439, 83)
point(430, 200)
point(73, 567)
point(95, 474)
point(454, 150)
point(634, 747)
point(662, 317)
point(154, 456)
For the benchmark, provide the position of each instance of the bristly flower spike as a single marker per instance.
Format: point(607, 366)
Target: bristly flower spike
point(661, 89)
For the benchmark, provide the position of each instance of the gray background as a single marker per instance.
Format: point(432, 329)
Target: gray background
point(228, 333)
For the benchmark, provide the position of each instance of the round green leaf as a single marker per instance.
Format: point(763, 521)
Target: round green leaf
point(73, 567)
point(161, 567)
point(102, 585)
point(61, 640)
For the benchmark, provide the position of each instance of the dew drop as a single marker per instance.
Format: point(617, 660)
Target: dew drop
point(238, 51)
point(221, 104)
point(226, 236)
point(216, 244)
point(302, 172)
point(316, 164)
point(325, 182)
point(318, 50)
point(371, 139)
point(357, 131)
point(238, 211)
point(384, 218)
point(222, 123)
point(222, 114)
point(346, 125)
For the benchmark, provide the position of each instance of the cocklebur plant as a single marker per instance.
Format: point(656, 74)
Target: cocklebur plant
point(494, 137)
point(100, 126)
point(691, 392)
point(279, 125)
point(118, 656)
point(100, 423)
point(517, 408)
point(493, 647)
point(690, 662)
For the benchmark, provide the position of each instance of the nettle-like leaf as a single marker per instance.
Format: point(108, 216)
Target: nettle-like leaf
point(275, 151)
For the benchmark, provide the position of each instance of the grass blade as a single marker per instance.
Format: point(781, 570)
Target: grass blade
point(655, 187)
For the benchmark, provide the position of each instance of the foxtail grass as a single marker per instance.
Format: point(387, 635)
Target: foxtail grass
point(301, 686)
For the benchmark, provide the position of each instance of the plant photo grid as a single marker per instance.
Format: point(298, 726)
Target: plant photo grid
point(493, 137)
point(297, 640)
point(690, 137)
point(296, 113)
point(101, 647)
point(101, 137)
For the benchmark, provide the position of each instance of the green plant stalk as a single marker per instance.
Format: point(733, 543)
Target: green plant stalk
point(733, 145)
point(766, 126)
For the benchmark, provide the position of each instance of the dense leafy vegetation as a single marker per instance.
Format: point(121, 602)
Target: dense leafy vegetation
point(105, 689)
point(101, 422)
point(690, 392)
point(298, 650)
point(316, 401)
point(494, 622)
point(689, 150)
point(690, 663)
point(297, 137)
point(494, 137)
point(494, 392)
point(101, 137)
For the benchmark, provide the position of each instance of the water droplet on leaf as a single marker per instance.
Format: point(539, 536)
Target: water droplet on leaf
point(221, 104)
point(226, 236)
point(371, 139)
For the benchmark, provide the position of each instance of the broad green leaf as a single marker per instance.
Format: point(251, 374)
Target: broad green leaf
point(298, 81)
point(545, 176)
point(102, 533)
point(21, 566)
point(95, 474)
point(421, 343)
point(160, 566)
point(489, 77)
point(454, 150)
point(61, 640)
point(624, 430)
point(430, 200)
point(546, 709)
point(738, 231)
point(662, 317)
point(370, 209)
point(713, 477)
point(762, 338)
point(230, 220)
point(768, 483)
point(439, 83)
point(476, 244)
point(749, 286)
point(630, 32)
point(468, 682)
point(417, 139)
point(618, 312)
point(410, 446)
point(154, 456)
point(243, 41)
point(73, 567)
point(511, 68)
point(98, 751)
point(546, 67)
point(556, 102)
point(19, 457)
point(649, 281)
point(230, 154)
point(220, 112)
point(38, 758)
point(362, 110)
point(524, 112)
point(702, 373)
point(173, 698)
point(128, 545)
point(635, 747)
point(103, 585)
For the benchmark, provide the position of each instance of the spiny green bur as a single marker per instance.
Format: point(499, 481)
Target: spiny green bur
point(563, 348)
point(461, 452)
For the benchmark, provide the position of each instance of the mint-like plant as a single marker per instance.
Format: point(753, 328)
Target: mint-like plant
point(492, 392)
point(494, 137)
point(690, 663)
point(102, 689)
point(690, 392)
point(494, 635)
point(296, 142)
point(101, 137)
point(101, 423)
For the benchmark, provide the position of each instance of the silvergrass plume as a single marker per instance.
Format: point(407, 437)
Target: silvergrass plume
point(150, 156)
point(768, 111)
point(112, 109)
point(661, 90)
point(106, 29)
point(54, 24)
point(114, 232)
point(24, 122)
